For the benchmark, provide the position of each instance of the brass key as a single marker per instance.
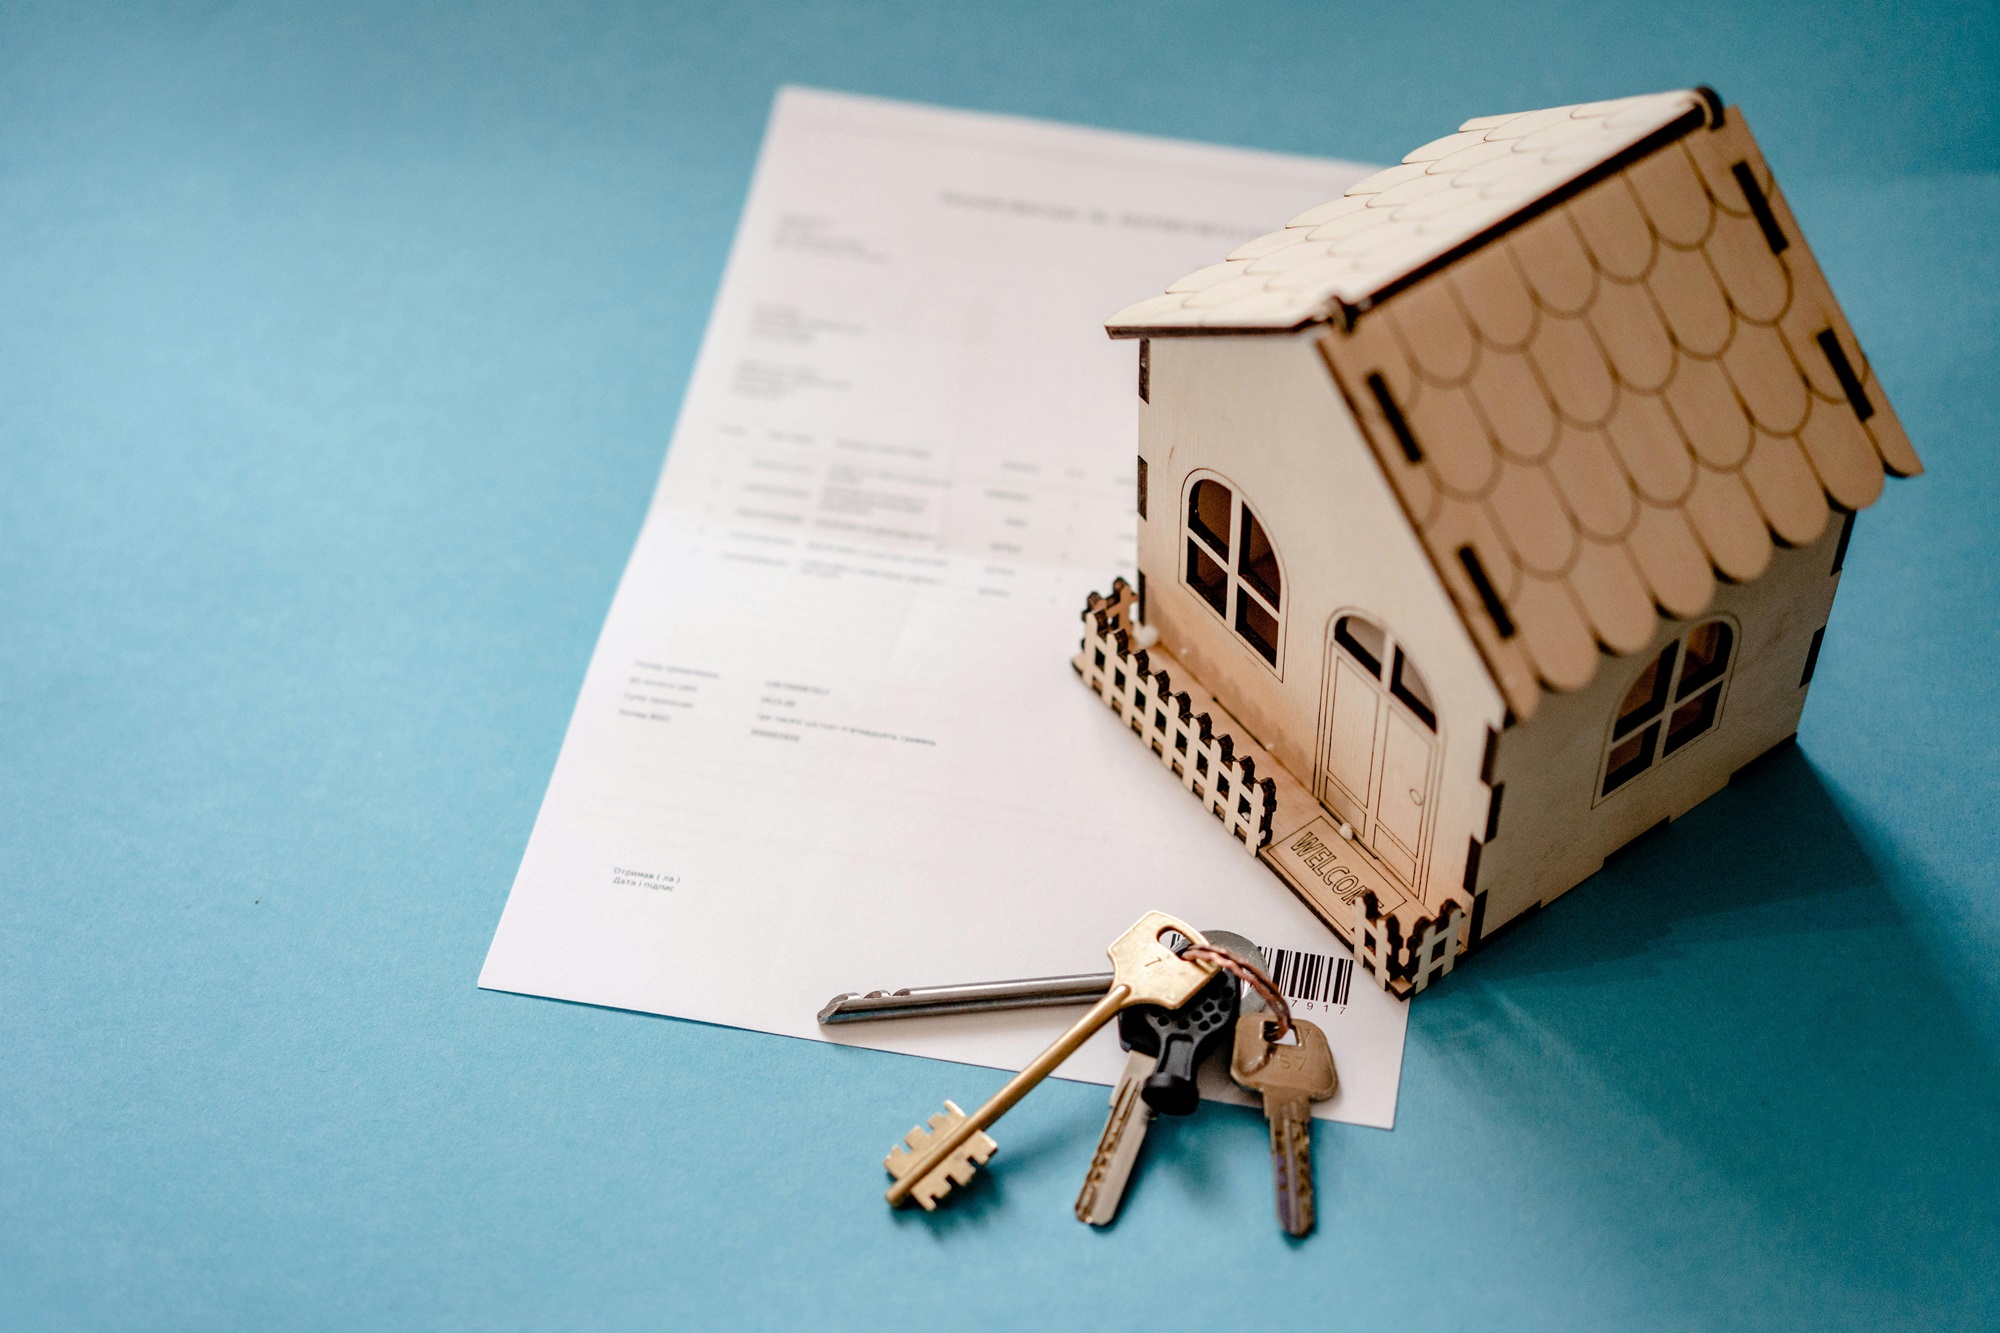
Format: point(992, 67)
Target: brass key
point(1143, 971)
point(1290, 1079)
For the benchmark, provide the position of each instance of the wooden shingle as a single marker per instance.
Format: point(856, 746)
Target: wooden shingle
point(1671, 561)
point(1786, 491)
point(1629, 328)
point(1614, 597)
point(1594, 487)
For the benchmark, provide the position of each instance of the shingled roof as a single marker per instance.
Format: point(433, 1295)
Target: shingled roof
point(1605, 397)
point(1344, 256)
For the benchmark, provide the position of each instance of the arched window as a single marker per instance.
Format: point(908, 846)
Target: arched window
point(1364, 641)
point(1232, 566)
point(1675, 699)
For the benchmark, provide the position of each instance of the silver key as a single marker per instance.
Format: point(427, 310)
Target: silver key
point(925, 1001)
point(984, 996)
point(1118, 1147)
point(1117, 1154)
point(1291, 1079)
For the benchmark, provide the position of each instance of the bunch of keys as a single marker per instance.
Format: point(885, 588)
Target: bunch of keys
point(1164, 1047)
point(1174, 1006)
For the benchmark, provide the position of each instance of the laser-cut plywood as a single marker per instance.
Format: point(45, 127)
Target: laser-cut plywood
point(1594, 357)
point(1393, 936)
point(1200, 751)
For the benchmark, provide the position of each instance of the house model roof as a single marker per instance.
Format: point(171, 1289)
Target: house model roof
point(1353, 251)
point(1595, 357)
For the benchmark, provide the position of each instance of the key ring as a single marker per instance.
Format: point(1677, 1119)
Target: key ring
point(1258, 980)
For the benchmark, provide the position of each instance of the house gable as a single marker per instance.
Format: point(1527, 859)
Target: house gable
point(1554, 822)
point(1264, 417)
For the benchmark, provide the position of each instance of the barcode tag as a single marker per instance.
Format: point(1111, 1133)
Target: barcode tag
point(1312, 977)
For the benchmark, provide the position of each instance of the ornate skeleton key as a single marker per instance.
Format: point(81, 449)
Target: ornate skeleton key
point(1144, 971)
point(970, 1156)
point(1291, 1079)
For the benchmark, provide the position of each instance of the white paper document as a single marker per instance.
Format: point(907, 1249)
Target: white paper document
point(830, 739)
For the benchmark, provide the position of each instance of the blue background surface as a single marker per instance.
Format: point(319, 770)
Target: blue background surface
point(338, 352)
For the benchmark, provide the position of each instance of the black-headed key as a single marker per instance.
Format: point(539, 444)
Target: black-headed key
point(1179, 1040)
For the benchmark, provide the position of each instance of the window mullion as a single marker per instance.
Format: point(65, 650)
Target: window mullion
point(1236, 553)
point(1668, 702)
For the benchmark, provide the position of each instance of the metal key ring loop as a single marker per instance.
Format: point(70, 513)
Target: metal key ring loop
point(1254, 976)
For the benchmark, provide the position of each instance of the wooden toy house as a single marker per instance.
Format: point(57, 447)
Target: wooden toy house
point(1490, 515)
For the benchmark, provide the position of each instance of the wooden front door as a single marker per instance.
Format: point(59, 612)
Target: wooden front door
point(1379, 745)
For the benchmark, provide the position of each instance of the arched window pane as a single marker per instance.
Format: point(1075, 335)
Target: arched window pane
point(1707, 658)
point(1208, 514)
point(1647, 729)
point(1363, 642)
point(1232, 565)
point(1208, 578)
point(1257, 562)
point(1648, 694)
point(1258, 626)
point(1690, 720)
point(1408, 686)
point(1630, 758)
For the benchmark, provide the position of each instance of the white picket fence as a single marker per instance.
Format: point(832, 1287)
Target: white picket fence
point(1136, 688)
point(1407, 947)
point(1397, 941)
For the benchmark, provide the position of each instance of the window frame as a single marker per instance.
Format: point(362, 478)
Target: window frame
point(1652, 725)
point(1238, 588)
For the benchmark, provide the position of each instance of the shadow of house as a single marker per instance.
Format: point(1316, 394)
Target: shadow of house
point(1739, 1017)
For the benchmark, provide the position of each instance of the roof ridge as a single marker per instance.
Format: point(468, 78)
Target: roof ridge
point(1694, 118)
point(1445, 200)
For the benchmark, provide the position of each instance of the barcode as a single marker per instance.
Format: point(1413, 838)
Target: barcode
point(1310, 976)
